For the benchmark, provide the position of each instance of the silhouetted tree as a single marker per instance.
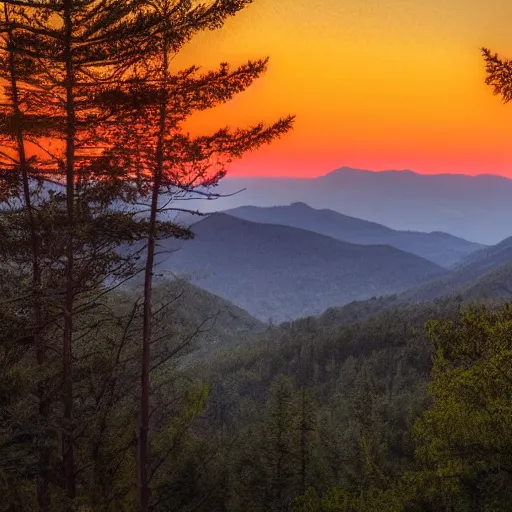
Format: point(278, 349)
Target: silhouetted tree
point(92, 95)
point(18, 172)
point(68, 59)
point(167, 159)
point(499, 74)
point(306, 424)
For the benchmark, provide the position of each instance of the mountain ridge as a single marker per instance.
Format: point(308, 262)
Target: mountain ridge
point(348, 169)
point(467, 206)
point(442, 248)
point(282, 272)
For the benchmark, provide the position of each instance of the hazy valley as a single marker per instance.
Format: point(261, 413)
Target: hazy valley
point(253, 256)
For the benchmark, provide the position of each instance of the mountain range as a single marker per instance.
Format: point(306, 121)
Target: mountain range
point(477, 208)
point(280, 272)
point(400, 233)
point(441, 248)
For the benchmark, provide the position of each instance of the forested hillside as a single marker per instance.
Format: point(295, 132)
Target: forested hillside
point(323, 412)
point(209, 318)
point(317, 408)
point(490, 256)
point(482, 265)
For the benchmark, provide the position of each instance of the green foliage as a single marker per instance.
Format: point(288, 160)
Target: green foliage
point(308, 416)
point(465, 437)
point(278, 447)
point(308, 502)
point(341, 500)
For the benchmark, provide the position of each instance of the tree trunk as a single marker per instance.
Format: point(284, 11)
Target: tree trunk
point(42, 488)
point(303, 442)
point(146, 355)
point(67, 349)
point(143, 461)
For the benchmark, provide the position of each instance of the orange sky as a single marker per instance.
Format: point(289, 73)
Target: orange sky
point(375, 84)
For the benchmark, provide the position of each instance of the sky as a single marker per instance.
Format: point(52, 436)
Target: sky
point(375, 84)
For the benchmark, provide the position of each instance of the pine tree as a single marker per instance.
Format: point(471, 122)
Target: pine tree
point(499, 73)
point(77, 53)
point(105, 116)
point(280, 446)
point(19, 171)
point(306, 425)
point(171, 163)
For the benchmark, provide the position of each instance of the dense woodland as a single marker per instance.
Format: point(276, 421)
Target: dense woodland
point(121, 390)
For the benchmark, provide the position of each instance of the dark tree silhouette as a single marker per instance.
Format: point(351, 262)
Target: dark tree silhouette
point(170, 163)
point(499, 74)
point(68, 58)
point(94, 118)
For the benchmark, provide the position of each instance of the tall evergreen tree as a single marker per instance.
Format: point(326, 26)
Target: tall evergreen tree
point(306, 424)
point(20, 172)
point(88, 69)
point(78, 53)
point(280, 446)
point(170, 161)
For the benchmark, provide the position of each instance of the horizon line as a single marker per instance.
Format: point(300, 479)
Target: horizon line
point(375, 171)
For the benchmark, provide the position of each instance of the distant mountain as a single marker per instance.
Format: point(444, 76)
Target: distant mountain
point(484, 264)
point(439, 247)
point(490, 257)
point(283, 273)
point(483, 277)
point(492, 287)
point(477, 208)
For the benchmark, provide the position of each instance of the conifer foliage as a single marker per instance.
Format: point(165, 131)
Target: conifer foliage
point(499, 74)
point(169, 163)
point(92, 126)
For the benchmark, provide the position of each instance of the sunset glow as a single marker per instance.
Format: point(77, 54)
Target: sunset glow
point(375, 84)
